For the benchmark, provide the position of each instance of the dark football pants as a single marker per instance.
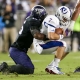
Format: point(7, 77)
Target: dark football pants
point(22, 60)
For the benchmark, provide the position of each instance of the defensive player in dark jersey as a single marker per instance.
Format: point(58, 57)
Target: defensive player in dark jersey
point(19, 48)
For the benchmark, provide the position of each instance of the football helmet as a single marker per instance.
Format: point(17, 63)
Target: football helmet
point(64, 15)
point(39, 12)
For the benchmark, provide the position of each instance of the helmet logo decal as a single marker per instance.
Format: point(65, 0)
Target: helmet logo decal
point(39, 11)
point(64, 10)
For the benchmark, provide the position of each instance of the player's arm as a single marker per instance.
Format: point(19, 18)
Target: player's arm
point(52, 25)
point(37, 35)
point(51, 35)
point(55, 36)
point(35, 30)
point(75, 16)
point(40, 36)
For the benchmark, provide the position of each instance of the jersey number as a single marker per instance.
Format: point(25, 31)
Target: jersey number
point(50, 19)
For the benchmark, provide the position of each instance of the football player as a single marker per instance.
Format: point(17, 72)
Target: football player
point(65, 20)
point(18, 50)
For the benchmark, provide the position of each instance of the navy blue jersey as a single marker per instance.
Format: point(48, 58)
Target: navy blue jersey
point(25, 37)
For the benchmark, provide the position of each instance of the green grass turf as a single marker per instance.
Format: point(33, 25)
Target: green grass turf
point(67, 65)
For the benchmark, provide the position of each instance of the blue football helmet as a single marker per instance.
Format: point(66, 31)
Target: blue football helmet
point(39, 12)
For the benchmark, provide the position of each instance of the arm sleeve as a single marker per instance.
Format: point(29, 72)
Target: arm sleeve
point(35, 26)
point(34, 31)
point(52, 26)
point(51, 22)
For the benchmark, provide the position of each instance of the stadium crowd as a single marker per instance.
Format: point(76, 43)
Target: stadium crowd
point(13, 13)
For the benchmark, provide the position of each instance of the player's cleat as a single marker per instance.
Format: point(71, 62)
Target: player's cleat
point(53, 70)
point(77, 70)
point(3, 66)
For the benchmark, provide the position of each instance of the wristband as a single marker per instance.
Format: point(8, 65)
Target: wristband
point(61, 36)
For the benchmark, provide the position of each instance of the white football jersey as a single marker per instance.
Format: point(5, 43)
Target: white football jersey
point(49, 24)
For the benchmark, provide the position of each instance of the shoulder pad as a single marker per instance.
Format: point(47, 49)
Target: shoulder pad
point(52, 19)
point(35, 22)
point(34, 19)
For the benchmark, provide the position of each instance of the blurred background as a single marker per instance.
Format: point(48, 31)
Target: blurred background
point(14, 12)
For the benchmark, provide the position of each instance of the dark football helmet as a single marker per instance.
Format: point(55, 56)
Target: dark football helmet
point(39, 12)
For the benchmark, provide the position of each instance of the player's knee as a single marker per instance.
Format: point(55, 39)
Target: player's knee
point(21, 69)
point(24, 70)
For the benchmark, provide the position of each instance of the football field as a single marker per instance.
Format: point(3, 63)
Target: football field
point(67, 65)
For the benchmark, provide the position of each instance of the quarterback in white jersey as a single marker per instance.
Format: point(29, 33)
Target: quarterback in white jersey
point(50, 23)
point(61, 19)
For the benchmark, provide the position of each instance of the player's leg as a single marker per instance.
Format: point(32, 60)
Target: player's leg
point(52, 46)
point(20, 69)
point(22, 60)
point(67, 51)
point(4, 67)
point(53, 67)
point(41, 48)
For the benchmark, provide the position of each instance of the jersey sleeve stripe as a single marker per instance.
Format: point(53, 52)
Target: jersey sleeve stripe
point(45, 23)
